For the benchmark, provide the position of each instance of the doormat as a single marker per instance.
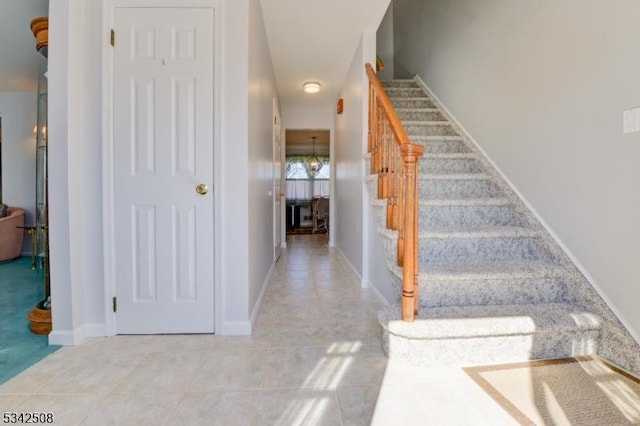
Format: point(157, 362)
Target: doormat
point(571, 391)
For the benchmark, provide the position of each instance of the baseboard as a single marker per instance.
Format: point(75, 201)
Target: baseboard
point(258, 305)
point(383, 300)
point(234, 328)
point(349, 264)
point(634, 333)
point(75, 337)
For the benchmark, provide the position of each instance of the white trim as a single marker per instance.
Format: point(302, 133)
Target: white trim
point(383, 300)
point(256, 308)
point(167, 3)
point(366, 213)
point(218, 289)
point(634, 333)
point(76, 336)
point(234, 328)
point(108, 226)
point(350, 265)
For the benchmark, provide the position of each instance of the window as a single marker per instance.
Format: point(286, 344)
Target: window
point(302, 186)
point(297, 168)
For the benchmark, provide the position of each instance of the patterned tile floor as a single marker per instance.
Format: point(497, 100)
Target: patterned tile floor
point(20, 289)
point(315, 358)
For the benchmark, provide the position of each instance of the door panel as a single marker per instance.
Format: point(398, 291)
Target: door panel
point(163, 149)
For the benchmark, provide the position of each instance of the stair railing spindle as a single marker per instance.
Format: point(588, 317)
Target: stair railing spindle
point(395, 160)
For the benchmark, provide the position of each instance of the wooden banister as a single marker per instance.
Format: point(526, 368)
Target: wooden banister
point(379, 64)
point(395, 160)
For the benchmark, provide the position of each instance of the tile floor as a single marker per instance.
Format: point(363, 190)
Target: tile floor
point(315, 359)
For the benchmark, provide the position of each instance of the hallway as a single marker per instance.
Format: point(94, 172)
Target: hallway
point(314, 358)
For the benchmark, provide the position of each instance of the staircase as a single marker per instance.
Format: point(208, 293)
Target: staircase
point(494, 287)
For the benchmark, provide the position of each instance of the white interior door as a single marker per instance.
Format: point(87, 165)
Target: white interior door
point(163, 170)
point(278, 193)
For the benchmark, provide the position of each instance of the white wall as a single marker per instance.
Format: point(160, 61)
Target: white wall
point(18, 111)
point(384, 44)
point(262, 91)
point(75, 173)
point(232, 312)
point(542, 87)
point(350, 147)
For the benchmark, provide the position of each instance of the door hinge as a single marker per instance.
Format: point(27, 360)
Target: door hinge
point(115, 304)
point(113, 37)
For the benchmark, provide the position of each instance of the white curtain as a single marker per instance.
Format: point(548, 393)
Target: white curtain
point(306, 189)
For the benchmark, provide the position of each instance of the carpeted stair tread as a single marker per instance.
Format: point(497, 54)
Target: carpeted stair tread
point(470, 232)
point(400, 82)
point(405, 92)
point(421, 102)
point(448, 155)
point(485, 321)
point(420, 114)
point(464, 202)
point(472, 215)
point(489, 270)
point(454, 176)
point(494, 270)
point(479, 232)
point(432, 138)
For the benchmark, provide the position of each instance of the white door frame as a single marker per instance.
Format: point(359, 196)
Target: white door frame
point(108, 199)
point(278, 190)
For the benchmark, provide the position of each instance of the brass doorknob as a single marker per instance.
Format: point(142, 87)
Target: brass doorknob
point(202, 189)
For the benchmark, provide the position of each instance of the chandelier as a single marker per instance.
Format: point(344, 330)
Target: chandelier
point(314, 164)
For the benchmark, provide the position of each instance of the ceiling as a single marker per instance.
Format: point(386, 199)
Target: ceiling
point(315, 40)
point(310, 40)
point(19, 60)
point(300, 142)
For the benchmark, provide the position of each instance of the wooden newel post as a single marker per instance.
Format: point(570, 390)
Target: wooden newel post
point(410, 155)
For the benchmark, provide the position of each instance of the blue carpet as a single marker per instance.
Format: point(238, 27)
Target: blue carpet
point(20, 289)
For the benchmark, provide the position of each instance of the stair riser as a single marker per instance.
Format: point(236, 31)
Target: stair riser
point(429, 130)
point(482, 249)
point(449, 165)
point(411, 115)
point(441, 216)
point(405, 92)
point(380, 214)
point(400, 83)
point(490, 349)
point(506, 291)
point(442, 147)
point(432, 189)
point(412, 103)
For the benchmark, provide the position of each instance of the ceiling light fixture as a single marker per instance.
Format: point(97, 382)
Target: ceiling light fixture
point(314, 164)
point(311, 87)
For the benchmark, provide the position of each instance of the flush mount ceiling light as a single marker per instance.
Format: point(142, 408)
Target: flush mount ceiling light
point(311, 87)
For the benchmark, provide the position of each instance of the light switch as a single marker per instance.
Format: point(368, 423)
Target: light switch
point(631, 120)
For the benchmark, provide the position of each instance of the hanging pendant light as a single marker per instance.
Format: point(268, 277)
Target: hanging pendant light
point(314, 164)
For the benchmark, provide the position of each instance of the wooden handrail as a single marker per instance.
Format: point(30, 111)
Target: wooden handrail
point(395, 160)
point(379, 64)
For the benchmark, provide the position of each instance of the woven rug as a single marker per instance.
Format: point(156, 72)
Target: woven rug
point(572, 391)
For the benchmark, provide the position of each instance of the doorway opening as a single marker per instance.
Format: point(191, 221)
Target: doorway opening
point(307, 181)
